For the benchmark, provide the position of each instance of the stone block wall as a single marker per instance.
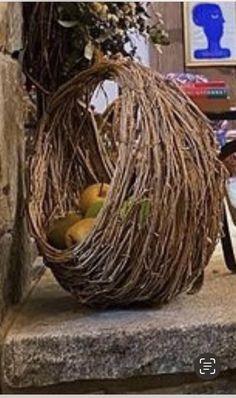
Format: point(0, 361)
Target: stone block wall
point(14, 240)
point(10, 26)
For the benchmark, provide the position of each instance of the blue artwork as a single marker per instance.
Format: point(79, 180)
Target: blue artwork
point(210, 18)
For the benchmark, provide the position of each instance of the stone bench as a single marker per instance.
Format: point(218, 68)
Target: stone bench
point(54, 343)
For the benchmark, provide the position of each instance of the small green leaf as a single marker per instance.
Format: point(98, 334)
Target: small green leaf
point(127, 207)
point(145, 209)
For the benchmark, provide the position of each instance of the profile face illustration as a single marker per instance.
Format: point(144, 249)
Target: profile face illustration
point(210, 18)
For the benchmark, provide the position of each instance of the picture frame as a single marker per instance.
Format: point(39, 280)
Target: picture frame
point(209, 33)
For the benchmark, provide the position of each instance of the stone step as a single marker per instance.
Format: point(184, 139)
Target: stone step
point(53, 340)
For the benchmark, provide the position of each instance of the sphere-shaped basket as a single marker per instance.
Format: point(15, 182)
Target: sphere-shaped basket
point(161, 220)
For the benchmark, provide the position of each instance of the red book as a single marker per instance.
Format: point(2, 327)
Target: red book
point(201, 86)
point(211, 83)
point(211, 92)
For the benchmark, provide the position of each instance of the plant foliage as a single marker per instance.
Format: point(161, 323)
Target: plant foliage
point(62, 39)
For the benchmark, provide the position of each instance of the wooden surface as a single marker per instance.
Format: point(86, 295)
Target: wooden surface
point(228, 115)
point(171, 59)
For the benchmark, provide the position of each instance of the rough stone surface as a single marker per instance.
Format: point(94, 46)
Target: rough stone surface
point(10, 26)
point(53, 340)
point(11, 139)
point(16, 250)
point(37, 267)
point(14, 273)
point(16, 253)
point(5, 250)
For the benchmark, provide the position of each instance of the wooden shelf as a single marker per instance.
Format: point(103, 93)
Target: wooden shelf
point(224, 115)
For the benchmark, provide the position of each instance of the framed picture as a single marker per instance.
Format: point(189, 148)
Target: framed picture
point(210, 33)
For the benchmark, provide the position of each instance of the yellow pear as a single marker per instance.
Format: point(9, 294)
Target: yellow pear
point(79, 231)
point(56, 233)
point(93, 193)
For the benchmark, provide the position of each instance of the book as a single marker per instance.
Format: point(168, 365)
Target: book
point(211, 83)
point(207, 93)
point(212, 104)
point(210, 89)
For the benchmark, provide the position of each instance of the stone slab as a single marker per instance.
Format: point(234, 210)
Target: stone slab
point(16, 254)
point(5, 252)
point(11, 22)
point(53, 340)
point(11, 139)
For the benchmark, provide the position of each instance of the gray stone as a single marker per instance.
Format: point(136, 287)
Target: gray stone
point(14, 240)
point(37, 268)
point(11, 140)
point(11, 26)
point(33, 250)
point(15, 255)
point(5, 250)
point(53, 340)
point(16, 258)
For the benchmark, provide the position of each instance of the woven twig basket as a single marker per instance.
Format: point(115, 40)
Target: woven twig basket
point(152, 144)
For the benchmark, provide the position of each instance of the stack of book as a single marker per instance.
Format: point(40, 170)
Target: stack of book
point(212, 96)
